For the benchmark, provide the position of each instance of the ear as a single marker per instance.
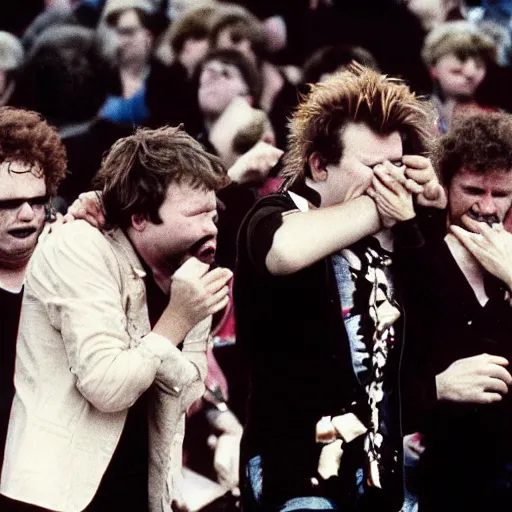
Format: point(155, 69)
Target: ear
point(318, 167)
point(139, 222)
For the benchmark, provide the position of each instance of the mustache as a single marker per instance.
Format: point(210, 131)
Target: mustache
point(489, 219)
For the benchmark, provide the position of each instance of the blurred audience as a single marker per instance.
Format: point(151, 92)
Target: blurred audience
point(457, 55)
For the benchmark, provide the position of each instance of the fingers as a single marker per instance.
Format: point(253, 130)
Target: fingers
point(396, 172)
point(496, 360)
point(496, 386)
point(416, 162)
point(219, 306)
point(192, 268)
point(488, 398)
point(216, 278)
point(413, 187)
point(468, 239)
point(219, 296)
point(385, 182)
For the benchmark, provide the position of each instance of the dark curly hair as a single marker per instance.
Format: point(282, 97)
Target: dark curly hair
point(136, 173)
point(481, 143)
point(26, 137)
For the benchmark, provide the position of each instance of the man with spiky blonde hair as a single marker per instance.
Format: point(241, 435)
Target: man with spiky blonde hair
point(316, 303)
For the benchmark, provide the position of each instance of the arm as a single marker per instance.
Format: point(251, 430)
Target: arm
point(306, 237)
point(78, 278)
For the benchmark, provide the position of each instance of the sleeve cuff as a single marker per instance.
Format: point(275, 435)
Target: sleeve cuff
point(408, 234)
point(175, 372)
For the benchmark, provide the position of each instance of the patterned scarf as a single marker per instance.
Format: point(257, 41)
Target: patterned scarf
point(369, 312)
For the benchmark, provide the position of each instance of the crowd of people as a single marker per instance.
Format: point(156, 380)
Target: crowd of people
point(267, 244)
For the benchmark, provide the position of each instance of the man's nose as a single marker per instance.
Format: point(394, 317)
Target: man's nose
point(212, 228)
point(26, 212)
point(487, 205)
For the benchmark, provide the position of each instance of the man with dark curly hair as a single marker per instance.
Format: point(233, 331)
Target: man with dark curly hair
point(315, 300)
point(32, 164)
point(458, 304)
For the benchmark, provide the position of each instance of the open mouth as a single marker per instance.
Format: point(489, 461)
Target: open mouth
point(488, 219)
point(22, 233)
point(206, 255)
point(205, 251)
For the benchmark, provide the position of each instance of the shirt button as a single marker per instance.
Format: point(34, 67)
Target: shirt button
point(176, 389)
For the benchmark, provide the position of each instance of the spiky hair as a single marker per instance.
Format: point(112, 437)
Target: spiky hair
point(356, 95)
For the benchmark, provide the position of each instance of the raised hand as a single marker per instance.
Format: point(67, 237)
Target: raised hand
point(197, 293)
point(254, 166)
point(421, 174)
point(394, 201)
point(491, 246)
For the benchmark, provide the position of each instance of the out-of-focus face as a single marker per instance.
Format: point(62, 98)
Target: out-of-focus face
point(363, 149)
point(192, 53)
point(134, 41)
point(484, 197)
point(231, 38)
point(188, 227)
point(459, 79)
point(219, 84)
point(430, 12)
point(22, 212)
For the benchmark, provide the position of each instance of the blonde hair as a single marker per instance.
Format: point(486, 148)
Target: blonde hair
point(460, 38)
point(355, 95)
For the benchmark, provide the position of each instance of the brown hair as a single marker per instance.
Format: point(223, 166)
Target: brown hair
point(136, 173)
point(357, 95)
point(192, 25)
point(243, 25)
point(27, 138)
point(480, 143)
point(460, 38)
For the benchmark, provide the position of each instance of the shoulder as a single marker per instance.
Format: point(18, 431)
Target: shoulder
point(77, 240)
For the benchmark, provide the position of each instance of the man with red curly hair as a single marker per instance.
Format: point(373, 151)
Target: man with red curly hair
point(316, 302)
point(32, 164)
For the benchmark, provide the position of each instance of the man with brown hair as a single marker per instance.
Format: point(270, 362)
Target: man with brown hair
point(113, 333)
point(316, 305)
point(32, 163)
point(457, 364)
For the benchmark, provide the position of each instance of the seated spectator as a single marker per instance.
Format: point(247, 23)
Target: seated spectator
point(224, 75)
point(457, 55)
point(238, 29)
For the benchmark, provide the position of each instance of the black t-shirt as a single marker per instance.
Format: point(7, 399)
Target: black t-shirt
point(293, 336)
point(10, 307)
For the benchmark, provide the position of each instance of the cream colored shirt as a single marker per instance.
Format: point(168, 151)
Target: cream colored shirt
point(85, 354)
